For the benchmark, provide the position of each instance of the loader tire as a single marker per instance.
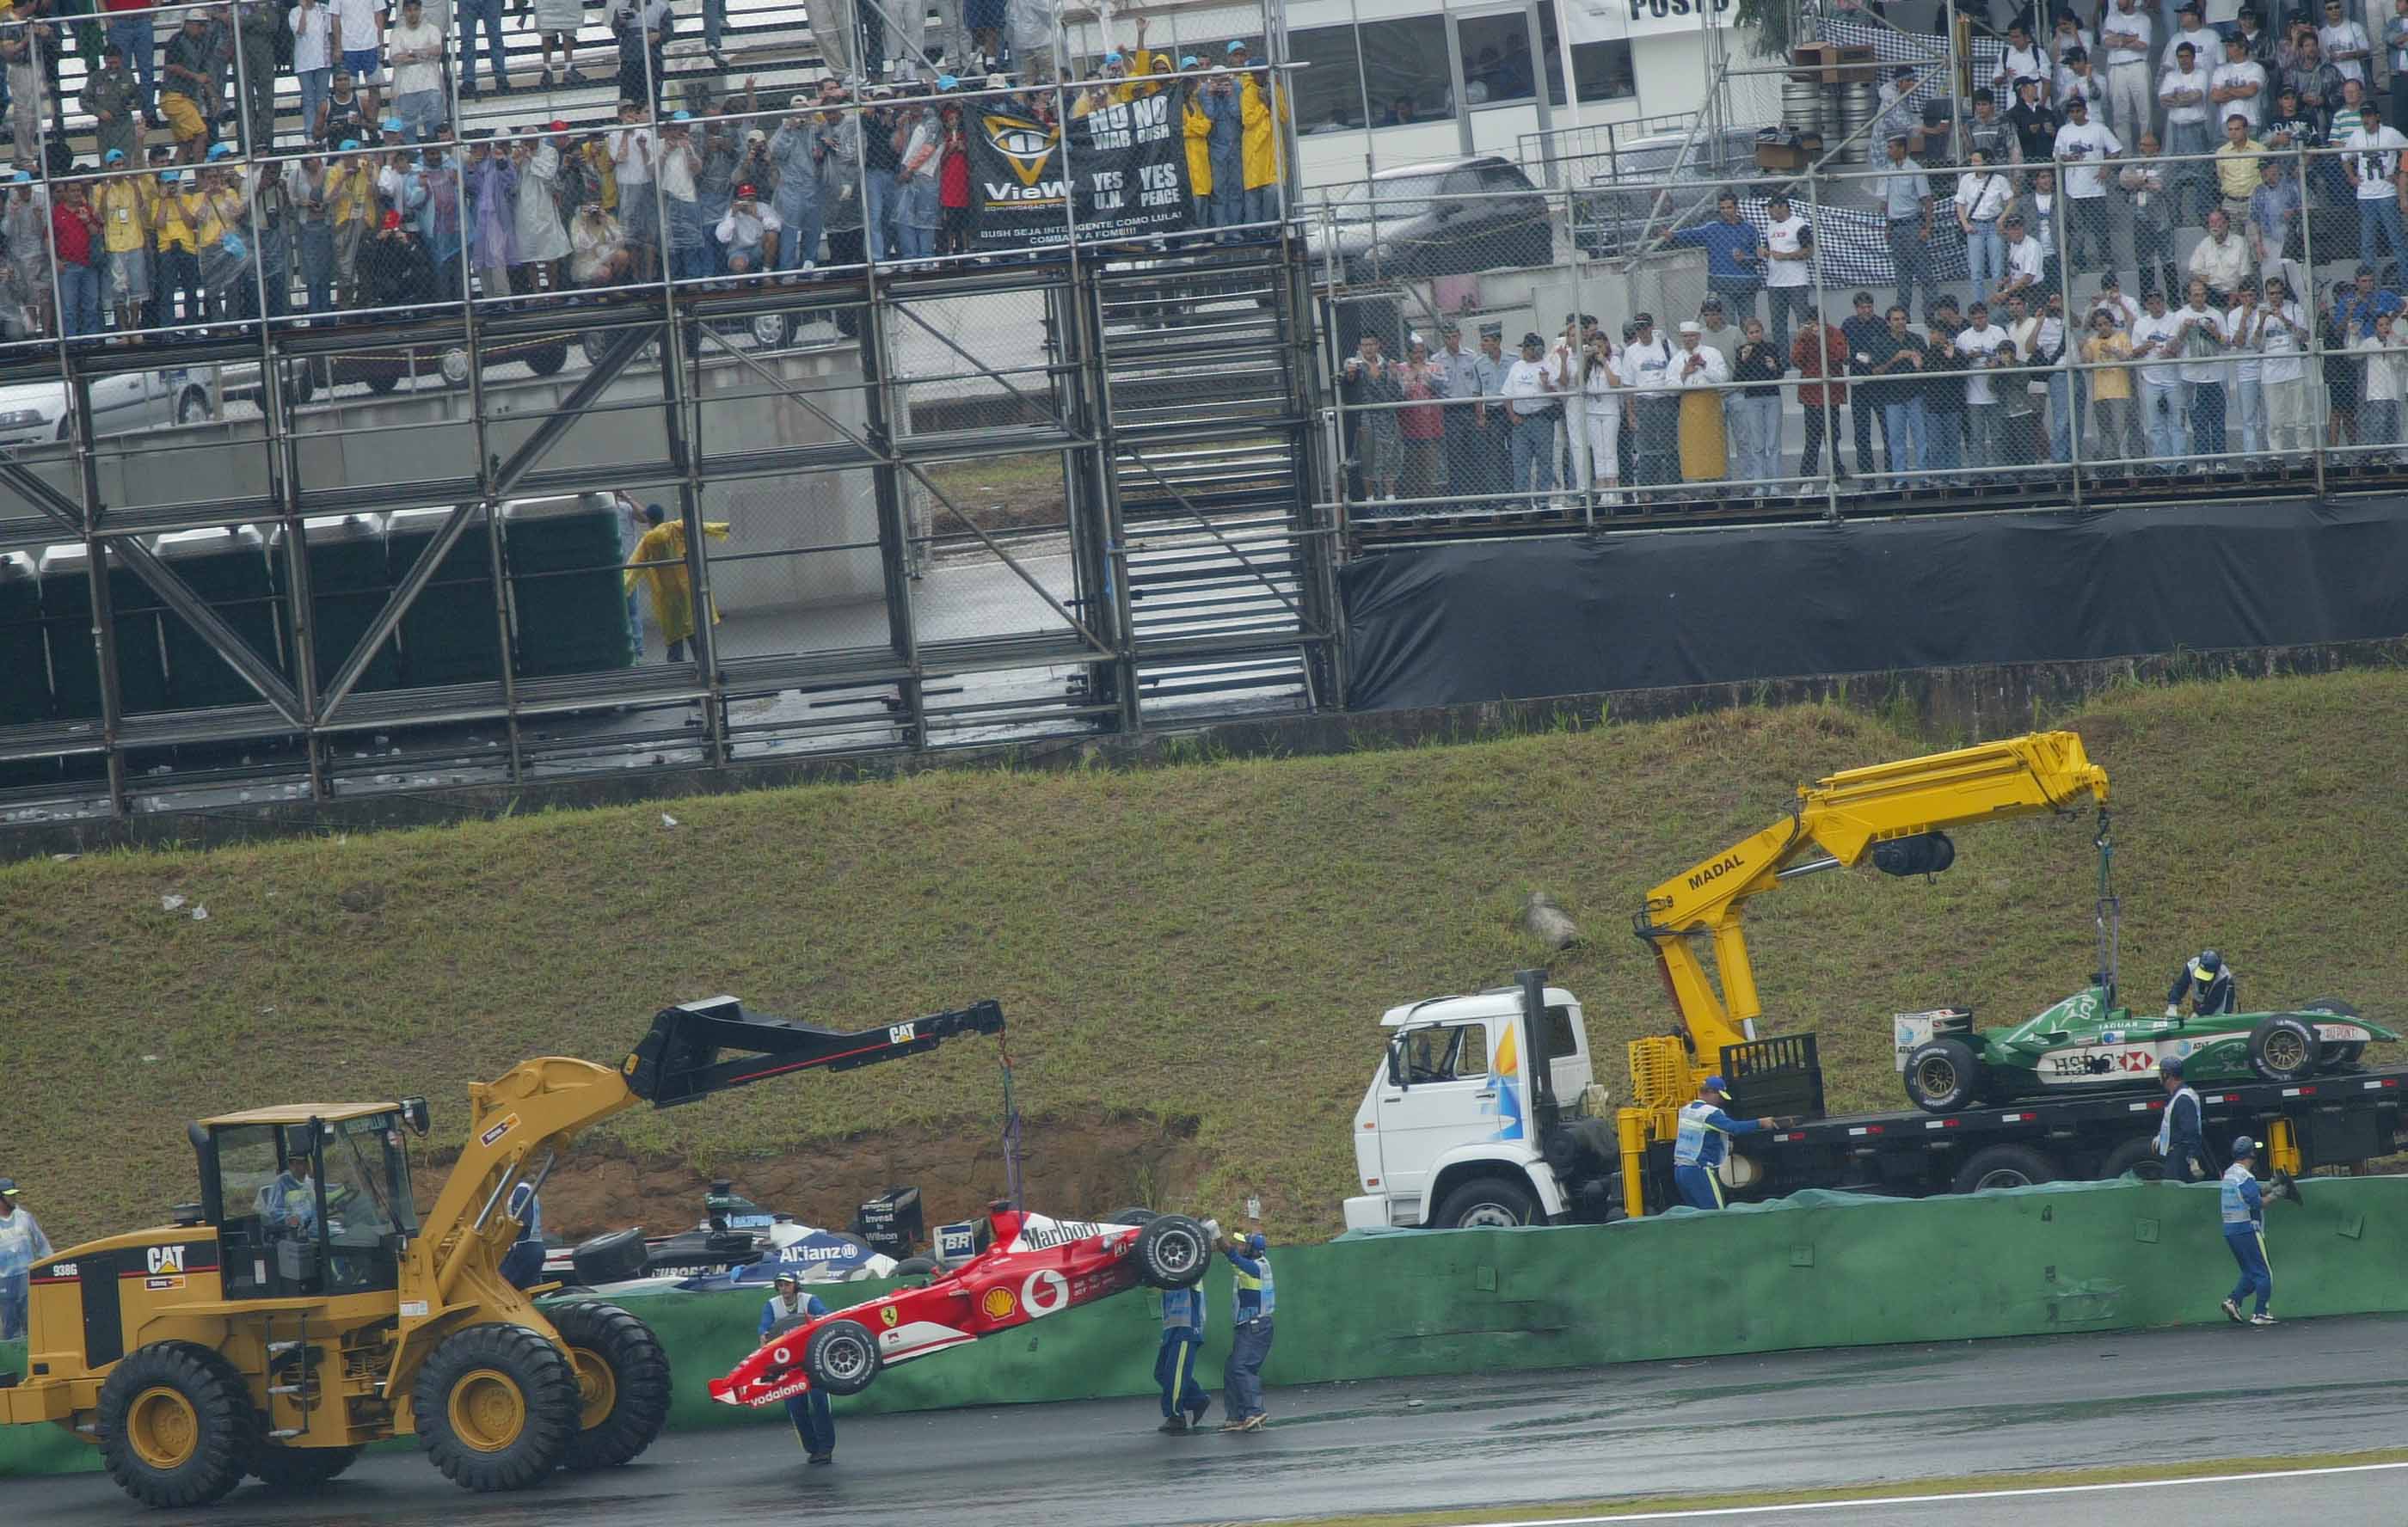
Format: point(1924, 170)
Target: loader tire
point(622, 1383)
point(498, 1407)
point(175, 1425)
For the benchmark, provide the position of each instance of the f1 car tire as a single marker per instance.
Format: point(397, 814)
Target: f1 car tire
point(175, 1425)
point(916, 1267)
point(2003, 1166)
point(2342, 1053)
point(1486, 1203)
point(2283, 1048)
point(786, 1325)
point(299, 1469)
point(1133, 1217)
point(622, 1383)
point(496, 1407)
point(1943, 1076)
point(2139, 1157)
point(841, 1357)
point(1172, 1252)
point(611, 1258)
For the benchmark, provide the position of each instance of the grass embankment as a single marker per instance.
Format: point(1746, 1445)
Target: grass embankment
point(1213, 942)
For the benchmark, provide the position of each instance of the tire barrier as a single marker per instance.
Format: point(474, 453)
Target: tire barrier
point(1816, 1269)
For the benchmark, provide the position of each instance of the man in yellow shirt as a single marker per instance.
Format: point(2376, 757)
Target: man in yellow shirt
point(123, 202)
point(176, 219)
point(2106, 348)
point(659, 564)
point(2236, 167)
point(350, 209)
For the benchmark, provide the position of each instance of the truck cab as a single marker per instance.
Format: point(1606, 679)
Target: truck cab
point(1449, 1136)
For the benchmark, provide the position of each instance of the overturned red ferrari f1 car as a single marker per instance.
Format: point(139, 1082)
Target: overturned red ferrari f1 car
point(1033, 1267)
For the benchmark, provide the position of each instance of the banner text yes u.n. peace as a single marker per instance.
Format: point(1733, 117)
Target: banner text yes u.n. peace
point(1124, 175)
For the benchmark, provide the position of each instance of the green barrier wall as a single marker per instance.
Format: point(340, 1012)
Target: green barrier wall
point(1814, 1270)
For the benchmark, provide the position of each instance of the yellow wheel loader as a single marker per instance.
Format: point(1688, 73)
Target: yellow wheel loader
point(302, 1309)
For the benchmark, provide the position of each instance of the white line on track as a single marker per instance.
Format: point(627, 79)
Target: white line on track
point(1709, 1513)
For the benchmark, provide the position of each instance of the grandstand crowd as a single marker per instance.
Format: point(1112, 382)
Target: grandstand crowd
point(190, 192)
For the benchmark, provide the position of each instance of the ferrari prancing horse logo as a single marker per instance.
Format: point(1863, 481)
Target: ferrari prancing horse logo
point(890, 1316)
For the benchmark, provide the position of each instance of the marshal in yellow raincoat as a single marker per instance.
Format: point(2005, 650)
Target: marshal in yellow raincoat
point(660, 563)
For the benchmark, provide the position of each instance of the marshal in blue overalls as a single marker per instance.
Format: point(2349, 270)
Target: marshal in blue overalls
point(1698, 1148)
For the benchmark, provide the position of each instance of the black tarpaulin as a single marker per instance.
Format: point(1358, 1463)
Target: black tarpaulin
point(1525, 619)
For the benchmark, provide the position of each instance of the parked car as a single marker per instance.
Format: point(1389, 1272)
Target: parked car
point(1641, 185)
point(33, 412)
point(1445, 217)
point(383, 370)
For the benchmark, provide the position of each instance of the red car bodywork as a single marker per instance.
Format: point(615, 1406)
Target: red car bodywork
point(1033, 1267)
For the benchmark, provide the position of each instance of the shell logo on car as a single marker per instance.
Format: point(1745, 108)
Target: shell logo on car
point(998, 1304)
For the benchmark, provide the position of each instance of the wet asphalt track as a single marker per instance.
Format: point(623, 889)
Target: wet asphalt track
point(1793, 1420)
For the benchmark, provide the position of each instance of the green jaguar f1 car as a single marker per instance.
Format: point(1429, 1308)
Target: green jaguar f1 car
point(2087, 1043)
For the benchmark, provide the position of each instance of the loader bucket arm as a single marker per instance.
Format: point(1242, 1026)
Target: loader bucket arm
point(701, 1047)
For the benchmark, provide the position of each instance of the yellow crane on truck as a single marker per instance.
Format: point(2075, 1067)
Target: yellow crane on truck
point(1894, 815)
point(303, 1308)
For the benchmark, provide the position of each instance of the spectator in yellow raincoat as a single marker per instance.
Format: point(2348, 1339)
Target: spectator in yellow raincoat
point(659, 560)
point(1261, 109)
point(1197, 123)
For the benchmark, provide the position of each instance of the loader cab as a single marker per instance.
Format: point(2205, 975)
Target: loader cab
point(309, 1202)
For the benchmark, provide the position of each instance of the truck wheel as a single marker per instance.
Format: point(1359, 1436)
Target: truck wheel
point(1486, 1203)
point(1172, 1252)
point(498, 1407)
point(2003, 1166)
point(2341, 1055)
point(175, 1425)
point(1943, 1076)
point(2138, 1157)
point(841, 1357)
point(299, 1469)
point(622, 1383)
point(2283, 1048)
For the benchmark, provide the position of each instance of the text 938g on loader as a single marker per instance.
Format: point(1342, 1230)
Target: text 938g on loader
point(304, 1310)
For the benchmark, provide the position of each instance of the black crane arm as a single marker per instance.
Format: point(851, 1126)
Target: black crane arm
point(680, 1059)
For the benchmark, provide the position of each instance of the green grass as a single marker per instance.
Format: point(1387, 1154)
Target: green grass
point(1209, 942)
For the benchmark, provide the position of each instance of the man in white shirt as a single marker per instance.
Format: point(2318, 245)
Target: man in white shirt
point(2283, 342)
point(2220, 259)
point(2379, 408)
point(417, 46)
point(2163, 398)
point(1787, 253)
point(2083, 147)
point(1530, 398)
point(2183, 92)
point(1983, 197)
point(2371, 161)
point(2112, 301)
point(1647, 365)
point(2027, 262)
point(358, 41)
point(2244, 334)
point(2020, 58)
point(1698, 365)
point(2190, 29)
point(2345, 44)
point(2079, 75)
point(634, 153)
point(2200, 338)
point(2238, 84)
point(2126, 33)
point(1978, 344)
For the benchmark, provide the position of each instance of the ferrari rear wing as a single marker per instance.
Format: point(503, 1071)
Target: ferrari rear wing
point(680, 1059)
